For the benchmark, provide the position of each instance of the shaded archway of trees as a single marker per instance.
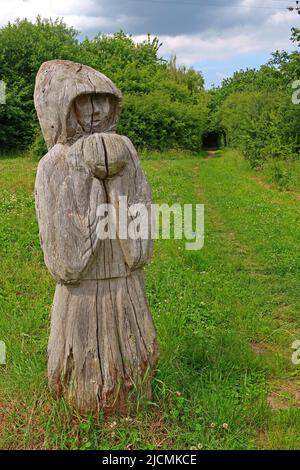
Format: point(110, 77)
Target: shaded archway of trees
point(213, 139)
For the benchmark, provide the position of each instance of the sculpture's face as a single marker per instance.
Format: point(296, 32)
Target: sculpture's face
point(92, 112)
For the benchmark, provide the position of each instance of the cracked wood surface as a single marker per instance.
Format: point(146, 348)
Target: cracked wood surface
point(102, 343)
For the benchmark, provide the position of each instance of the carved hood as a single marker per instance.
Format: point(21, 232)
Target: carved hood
point(58, 83)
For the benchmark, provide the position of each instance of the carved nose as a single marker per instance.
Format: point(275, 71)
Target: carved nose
point(100, 109)
point(96, 116)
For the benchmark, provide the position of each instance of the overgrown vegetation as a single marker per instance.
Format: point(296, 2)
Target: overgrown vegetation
point(165, 106)
point(254, 110)
point(226, 318)
point(227, 315)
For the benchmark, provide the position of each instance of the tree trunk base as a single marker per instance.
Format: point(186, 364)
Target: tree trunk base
point(102, 349)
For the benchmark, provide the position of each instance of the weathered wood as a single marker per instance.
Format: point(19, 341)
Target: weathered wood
point(102, 341)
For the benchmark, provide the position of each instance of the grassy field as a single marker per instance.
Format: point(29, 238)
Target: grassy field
point(226, 318)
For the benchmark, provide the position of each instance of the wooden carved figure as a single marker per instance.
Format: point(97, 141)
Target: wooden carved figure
point(102, 342)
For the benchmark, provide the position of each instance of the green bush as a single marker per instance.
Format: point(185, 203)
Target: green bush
point(38, 148)
point(164, 106)
point(254, 110)
point(255, 122)
point(154, 121)
point(24, 46)
point(283, 173)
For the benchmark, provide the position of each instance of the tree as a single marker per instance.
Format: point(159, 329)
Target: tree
point(173, 97)
point(24, 46)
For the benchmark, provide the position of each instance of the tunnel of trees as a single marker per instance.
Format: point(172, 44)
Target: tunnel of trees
point(213, 139)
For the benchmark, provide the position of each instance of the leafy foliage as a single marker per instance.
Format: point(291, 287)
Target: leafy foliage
point(155, 121)
point(164, 105)
point(24, 46)
point(254, 109)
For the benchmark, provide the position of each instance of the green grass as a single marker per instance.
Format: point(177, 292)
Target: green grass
point(284, 174)
point(226, 318)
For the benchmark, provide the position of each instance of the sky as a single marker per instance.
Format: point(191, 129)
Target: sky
point(217, 37)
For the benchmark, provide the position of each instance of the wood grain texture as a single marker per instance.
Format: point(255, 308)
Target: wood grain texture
point(103, 341)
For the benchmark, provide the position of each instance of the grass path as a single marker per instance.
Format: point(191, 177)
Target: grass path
point(261, 226)
point(226, 318)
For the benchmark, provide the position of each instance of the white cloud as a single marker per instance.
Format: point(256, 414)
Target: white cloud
point(282, 18)
point(73, 11)
point(210, 46)
point(231, 31)
point(76, 13)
